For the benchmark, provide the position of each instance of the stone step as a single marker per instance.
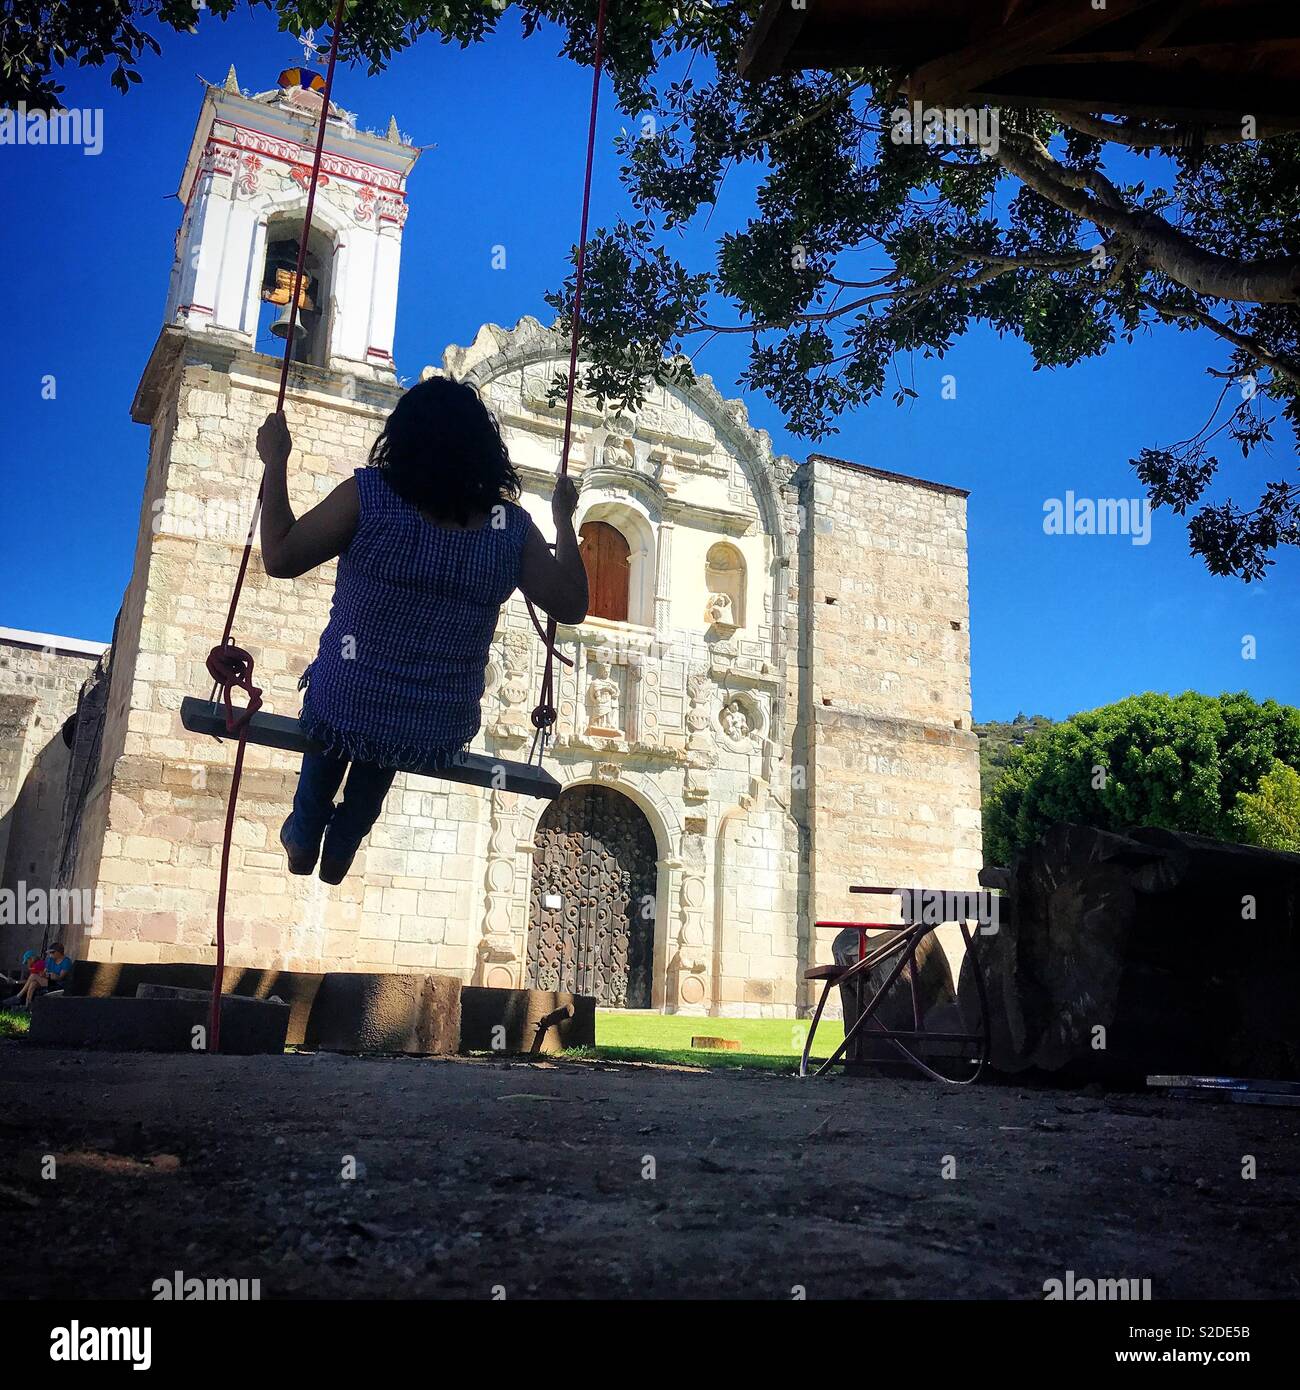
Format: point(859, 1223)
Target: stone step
point(506, 1020)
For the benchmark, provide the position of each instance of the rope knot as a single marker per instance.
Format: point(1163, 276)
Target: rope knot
point(232, 668)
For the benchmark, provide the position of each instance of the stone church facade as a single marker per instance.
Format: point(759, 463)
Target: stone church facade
point(769, 702)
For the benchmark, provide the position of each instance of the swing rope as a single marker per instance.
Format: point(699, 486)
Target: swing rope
point(545, 713)
point(231, 667)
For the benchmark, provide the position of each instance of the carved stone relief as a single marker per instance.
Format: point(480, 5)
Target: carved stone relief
point(604, 701)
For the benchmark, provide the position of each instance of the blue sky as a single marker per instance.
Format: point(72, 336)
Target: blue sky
point(1059, 623)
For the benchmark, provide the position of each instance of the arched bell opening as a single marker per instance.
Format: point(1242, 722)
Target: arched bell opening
point(311, 330)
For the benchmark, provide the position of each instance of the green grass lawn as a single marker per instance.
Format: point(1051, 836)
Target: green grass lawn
point(772, 1043)
point(14, 1023)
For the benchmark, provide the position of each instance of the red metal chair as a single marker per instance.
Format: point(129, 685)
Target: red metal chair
point(908, 937)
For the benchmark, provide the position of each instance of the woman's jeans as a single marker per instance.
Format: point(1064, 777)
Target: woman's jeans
point(350, 822)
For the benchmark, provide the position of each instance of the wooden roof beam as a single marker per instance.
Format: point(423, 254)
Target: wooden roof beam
point(771, 38)
point(1015, 45)
point(1164, 96)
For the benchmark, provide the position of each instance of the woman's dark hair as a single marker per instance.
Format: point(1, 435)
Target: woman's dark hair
point(442, 451)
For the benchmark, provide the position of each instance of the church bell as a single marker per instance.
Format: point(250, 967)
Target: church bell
point(278, 288)
point(280, 328)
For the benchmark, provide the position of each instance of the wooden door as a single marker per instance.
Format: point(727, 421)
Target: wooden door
point(591, 923)
point(606, 557)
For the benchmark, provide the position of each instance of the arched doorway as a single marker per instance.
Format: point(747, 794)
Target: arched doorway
point(591, 916)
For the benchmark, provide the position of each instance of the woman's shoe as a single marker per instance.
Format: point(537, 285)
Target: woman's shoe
point(301, 860)
point(336, 859)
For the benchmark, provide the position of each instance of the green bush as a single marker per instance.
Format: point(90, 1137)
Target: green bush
point(1178, 761)
point(1271, 815)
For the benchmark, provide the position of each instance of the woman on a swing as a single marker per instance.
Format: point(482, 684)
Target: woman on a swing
point(431, 543)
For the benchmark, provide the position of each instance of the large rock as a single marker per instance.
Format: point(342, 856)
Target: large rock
point(386, 1013)
point(506, 1020)
point(248, 1026)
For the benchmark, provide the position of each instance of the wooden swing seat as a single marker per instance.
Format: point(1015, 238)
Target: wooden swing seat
point(279, 731)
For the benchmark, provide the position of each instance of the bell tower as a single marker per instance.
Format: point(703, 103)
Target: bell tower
point(244, 190)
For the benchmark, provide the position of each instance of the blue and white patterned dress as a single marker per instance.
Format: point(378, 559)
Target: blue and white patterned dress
point(398, 679)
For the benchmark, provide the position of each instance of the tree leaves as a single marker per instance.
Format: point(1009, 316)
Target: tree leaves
point(1173, 761)
point(865, 247)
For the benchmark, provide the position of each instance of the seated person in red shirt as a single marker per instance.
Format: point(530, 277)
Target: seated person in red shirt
point(24, 969)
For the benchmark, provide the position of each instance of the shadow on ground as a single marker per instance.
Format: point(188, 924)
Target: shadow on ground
point(572, 1178)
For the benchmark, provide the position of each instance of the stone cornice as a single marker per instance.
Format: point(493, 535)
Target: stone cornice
point(344, 390)
point(710, 518)
point(286, 134)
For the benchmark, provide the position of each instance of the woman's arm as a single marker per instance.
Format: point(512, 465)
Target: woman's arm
point(291, 547)
point(557, 583)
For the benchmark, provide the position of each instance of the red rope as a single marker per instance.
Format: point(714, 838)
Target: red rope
point(231, 667)
point(545, 714)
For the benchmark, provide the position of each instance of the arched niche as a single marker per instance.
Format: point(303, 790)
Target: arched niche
point(725, 585)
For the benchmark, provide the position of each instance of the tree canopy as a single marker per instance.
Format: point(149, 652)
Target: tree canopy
point(1177, 761)
point(1071, 232)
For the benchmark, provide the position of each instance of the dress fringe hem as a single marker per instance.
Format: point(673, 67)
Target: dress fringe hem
point(361, 748)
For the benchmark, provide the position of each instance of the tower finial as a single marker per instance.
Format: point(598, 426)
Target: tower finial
point(394, 135)
point(232, 82)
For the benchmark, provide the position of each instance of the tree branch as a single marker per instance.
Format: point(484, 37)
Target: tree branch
point(996, 266)
point(1143, 137)
point(1280, 365)
point(1273, 281)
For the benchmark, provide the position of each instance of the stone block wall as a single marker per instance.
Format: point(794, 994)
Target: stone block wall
point(893, 765)
point(152, 838)
point(40, 680)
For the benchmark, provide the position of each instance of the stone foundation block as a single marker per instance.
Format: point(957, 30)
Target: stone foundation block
point(248, 1026)
point(506, 1020)
point(386, 1013)
point(338, 1012)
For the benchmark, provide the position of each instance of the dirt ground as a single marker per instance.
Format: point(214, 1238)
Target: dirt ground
point(614, 1180)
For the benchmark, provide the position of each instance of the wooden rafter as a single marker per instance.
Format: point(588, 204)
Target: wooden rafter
point(1190, 60)
point(1014, 45)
